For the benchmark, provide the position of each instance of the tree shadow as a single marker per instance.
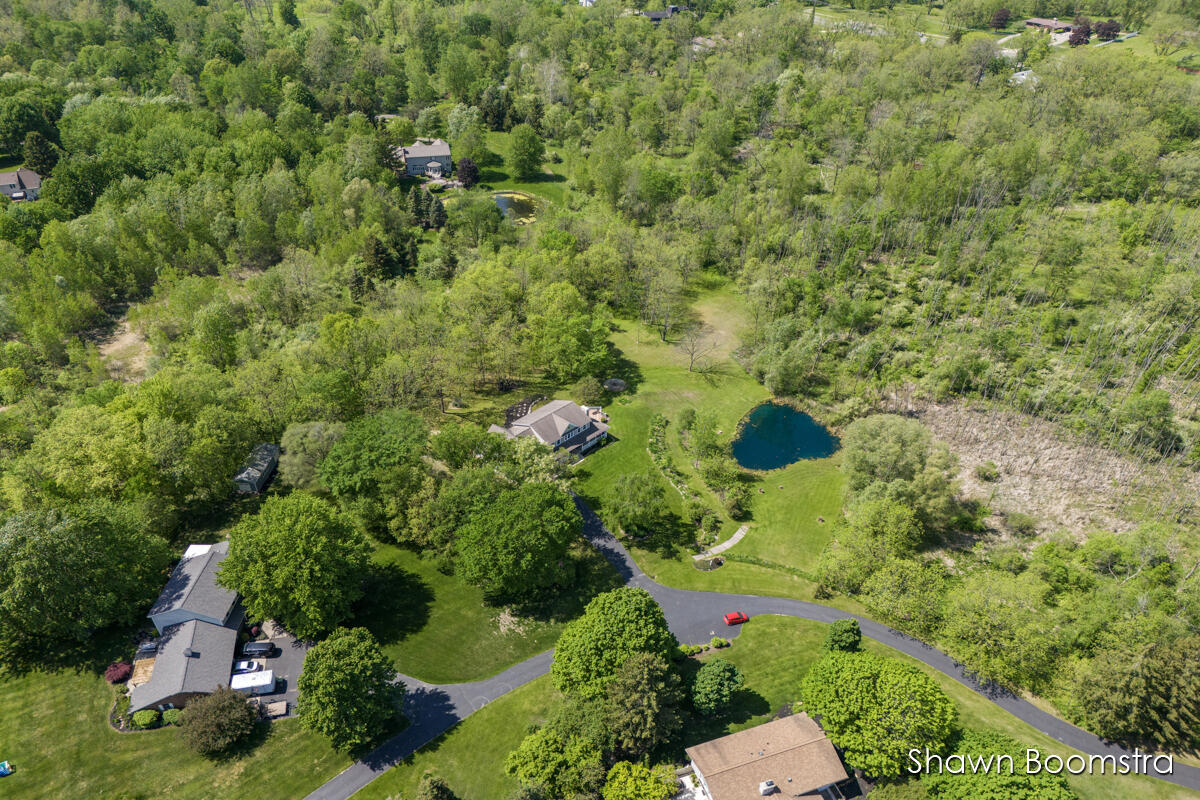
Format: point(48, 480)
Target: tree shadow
point(395, 603)
point(618, 365)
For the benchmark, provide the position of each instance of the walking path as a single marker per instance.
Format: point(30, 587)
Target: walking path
point(723, 546)
point(692, 617)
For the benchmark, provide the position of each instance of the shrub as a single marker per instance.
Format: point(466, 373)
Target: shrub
point(714, 686)
point(212, 725)
point(987, 471)
point(118, 672)
point(146, 719)
point(844, 636)
point(717, 643)
point(1021, 524)
point(172, 716)
point(688, 650)
point(588, 391)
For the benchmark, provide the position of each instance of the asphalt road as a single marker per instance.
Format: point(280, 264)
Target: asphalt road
point(693, 617)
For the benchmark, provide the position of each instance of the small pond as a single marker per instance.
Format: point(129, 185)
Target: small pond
point(518, 206)
point(776, 435)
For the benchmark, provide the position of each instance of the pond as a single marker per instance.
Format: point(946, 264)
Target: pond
point(775, 435)
point(518, 206)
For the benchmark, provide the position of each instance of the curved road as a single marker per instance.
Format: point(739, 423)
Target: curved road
point(693, 617)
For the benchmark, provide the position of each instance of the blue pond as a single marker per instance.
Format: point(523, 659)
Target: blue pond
point(776, 435)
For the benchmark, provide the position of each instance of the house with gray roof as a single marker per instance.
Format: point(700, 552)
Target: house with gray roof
point(194, 658)
point(427, 158)
point(560, 424)
point(192, 592)
point(20, 184)
point(198, 622)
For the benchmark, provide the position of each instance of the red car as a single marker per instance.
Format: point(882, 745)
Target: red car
point(736, 618)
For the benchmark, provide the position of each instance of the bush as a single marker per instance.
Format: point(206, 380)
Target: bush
point(587, 391)
point(714, 686)
point(172, 716)
point(212, 725)
point(717, 643)
point(987, 471)
point(1021, 524)
point(844, 636)
point(146, 719)
point(118, 672)
point(688, 650)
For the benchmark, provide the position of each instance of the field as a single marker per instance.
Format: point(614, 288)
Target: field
point(438, 628)
point(53, 729)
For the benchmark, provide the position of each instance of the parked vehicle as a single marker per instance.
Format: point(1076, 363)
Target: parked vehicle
point(736, 618)
point(257, 649)
point(242, 667)
point(253, 682)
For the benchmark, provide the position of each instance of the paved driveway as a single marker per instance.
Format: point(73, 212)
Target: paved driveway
point(287, 661)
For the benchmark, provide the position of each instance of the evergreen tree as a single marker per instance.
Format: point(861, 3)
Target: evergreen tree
point(437, 213)
point(39, 153)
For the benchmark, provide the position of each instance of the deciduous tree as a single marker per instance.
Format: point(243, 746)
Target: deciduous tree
point(348, 689)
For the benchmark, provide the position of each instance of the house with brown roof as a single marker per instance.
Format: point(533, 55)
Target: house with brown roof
point(788, 757)
point(560, 424)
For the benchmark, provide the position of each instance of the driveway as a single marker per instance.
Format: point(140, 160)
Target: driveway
point(287, 661)
point(693, 617)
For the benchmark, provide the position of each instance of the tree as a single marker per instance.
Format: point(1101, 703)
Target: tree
point(66, 574)
point(1143, 691)
point(519, 545)
point(998, 626)
point(1080, 34)
point(696, 344)
point(437, 214)
point(468, 172)
point(39, 153)
point(877, 709)
point(214, 724)
point(876, 531)
point(432, 787)
point(348, 689)
point(642, 705)
point(304, 445)
point(615, 626)
point(287, 13)
point(628, 781)
point(844, 636)
point(526, 152)
point(714, 685)
point(1000, 18)
point(297, 561)
point(997, 784)
point(639, 504)
point(375, 469)
point(1107, 30)
point(907, 594)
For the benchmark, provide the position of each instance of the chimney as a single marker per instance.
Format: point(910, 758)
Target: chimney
point(766, 787)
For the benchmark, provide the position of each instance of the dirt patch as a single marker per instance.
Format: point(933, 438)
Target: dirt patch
point(1054, 476)
point(125, 353)
point(510, 622)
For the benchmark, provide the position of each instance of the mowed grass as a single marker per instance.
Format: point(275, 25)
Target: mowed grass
point(54, 730)
point(439, 629)
point(786, 526)
point(470, 756)
point(774, 653)
point(550, 185)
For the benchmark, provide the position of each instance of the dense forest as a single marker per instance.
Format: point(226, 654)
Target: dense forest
point(906, 222)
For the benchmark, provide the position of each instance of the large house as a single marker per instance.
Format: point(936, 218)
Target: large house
point(427, 158)
point(198, 622)
point(789, 757)
point(560, 424)
point(21, 184)
point(1048, 25)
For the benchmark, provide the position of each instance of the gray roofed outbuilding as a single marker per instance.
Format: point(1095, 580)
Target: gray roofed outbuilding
point(192, 592)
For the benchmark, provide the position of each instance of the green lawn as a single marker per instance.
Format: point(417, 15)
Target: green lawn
point(775, 652)
point(438, 628)
point(785, 523)
point(551, 186)
point(53, 729)
point(470, 757)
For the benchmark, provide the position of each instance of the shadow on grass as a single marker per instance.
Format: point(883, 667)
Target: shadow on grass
point(618, 365)
point(395, 604)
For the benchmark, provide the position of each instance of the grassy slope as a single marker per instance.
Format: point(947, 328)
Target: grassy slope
point(53, 730)
point(438, 629)
point(471, 756)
